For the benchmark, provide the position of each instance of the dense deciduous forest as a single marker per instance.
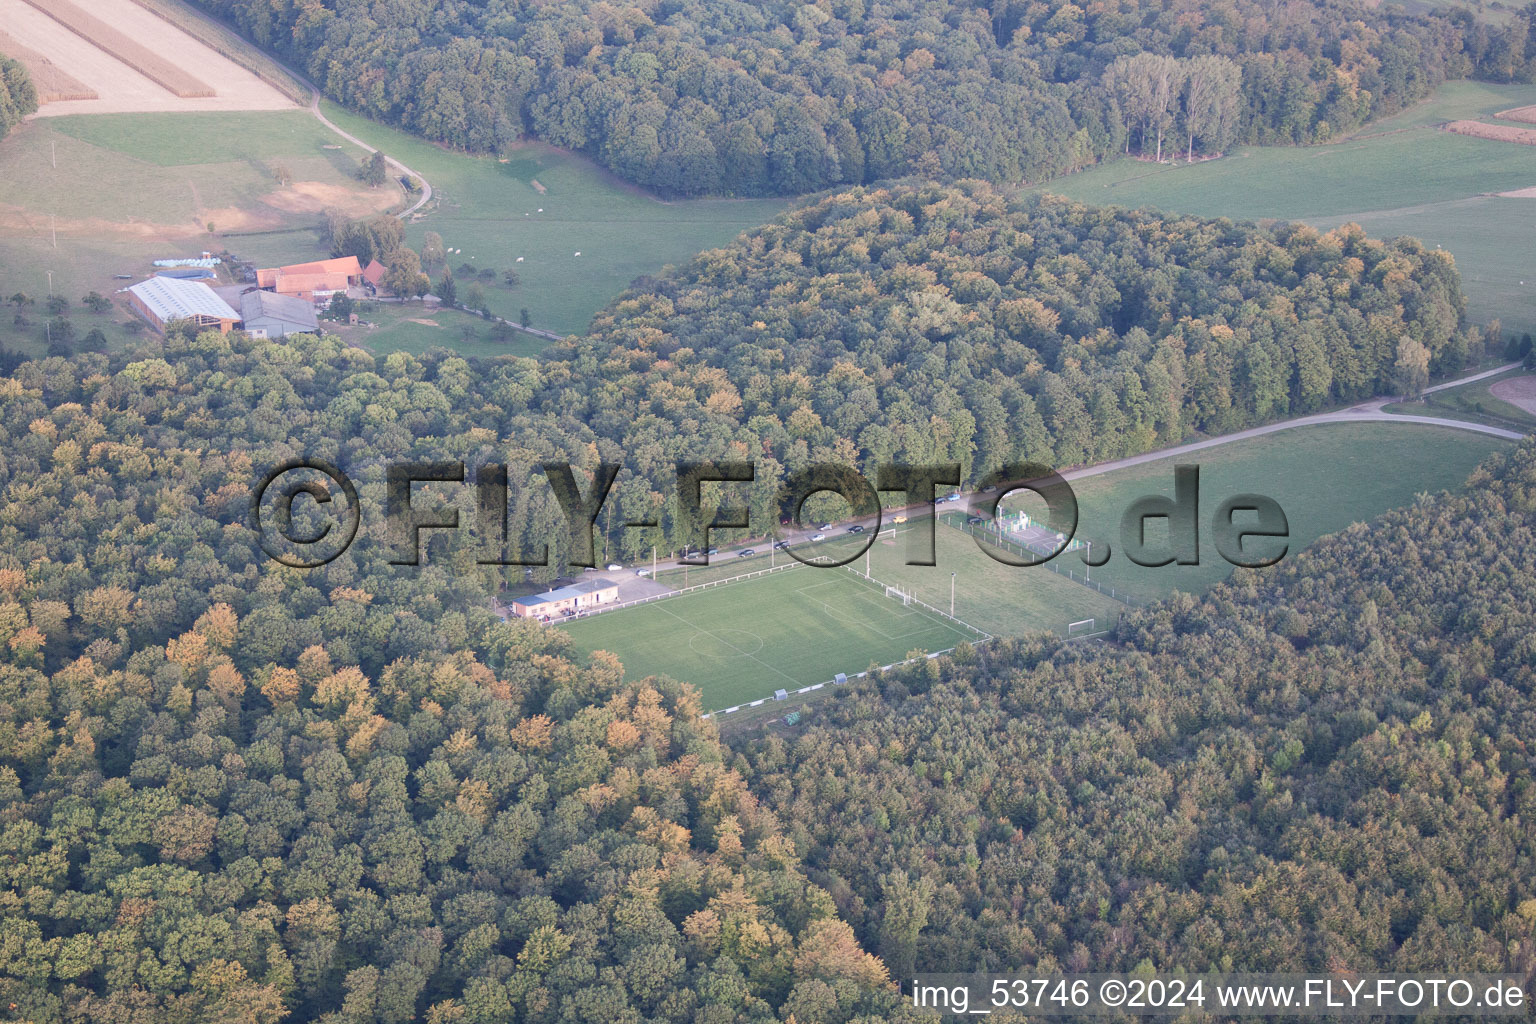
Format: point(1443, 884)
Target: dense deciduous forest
point(700, 97)
point(18, 96)
point(234, 791)
point(1323, 766)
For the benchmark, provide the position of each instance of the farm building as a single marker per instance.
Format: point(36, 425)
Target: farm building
point(578, 597)
point(373, 276)
point(161, 300)
point(270, 315)
point(313, 282)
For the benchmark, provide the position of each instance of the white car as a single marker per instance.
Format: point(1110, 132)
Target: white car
point(819, 536)
point(614, 567)
point(642, 572)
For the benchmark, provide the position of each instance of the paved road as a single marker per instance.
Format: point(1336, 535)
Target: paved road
point(314, 108)
point(1365, 412)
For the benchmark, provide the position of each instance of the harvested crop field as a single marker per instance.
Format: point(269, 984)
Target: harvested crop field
point(1525, 114)
point(1517, 391)
point(121, 88)
point(53, 82)
point(1496, 132)
point(141, 58)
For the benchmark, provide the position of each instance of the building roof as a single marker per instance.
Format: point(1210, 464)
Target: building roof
point(346, 265)
point(293, 284)
point(374, 273)
point(258, 305)
point(171, 299)
point(571, 592)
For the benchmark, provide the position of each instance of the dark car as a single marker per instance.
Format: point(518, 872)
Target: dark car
point(781, 545)
point(855, 529)
point(974, 520)
point(745, 553)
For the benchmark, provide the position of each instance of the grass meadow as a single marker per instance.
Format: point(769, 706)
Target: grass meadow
point(741, 641)
point(1400, 176)
point(495, 212)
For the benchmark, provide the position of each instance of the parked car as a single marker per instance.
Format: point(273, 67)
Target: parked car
point(855, 529)
point(614, 567)
point(712, 551)
point(746, 553)
point(819, 536)
point(590, 568)
point(780, 545)
point(824, 526)
point(642, 572)
point(988, 490)
point(974, 520)
point(899, 520)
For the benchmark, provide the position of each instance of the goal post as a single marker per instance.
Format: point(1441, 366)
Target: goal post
point(899, 595)
point(1080, 627)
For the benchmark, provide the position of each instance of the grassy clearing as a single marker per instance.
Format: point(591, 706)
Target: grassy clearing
point(1324, 477)
point(491, 210)
point(1399, 177)
point(741, 641)
point(198, 139)
point(414, 328)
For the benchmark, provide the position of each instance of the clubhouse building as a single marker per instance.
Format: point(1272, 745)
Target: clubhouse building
point(581, 596)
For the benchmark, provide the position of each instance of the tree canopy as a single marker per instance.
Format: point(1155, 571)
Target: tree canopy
point(699, 97)
point(18, 95)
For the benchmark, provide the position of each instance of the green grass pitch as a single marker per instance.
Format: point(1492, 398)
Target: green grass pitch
point(741, 641)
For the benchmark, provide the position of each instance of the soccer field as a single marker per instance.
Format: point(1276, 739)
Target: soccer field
point(742, 641)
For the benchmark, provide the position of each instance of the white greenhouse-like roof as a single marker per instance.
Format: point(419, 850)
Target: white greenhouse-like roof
point(171, 299)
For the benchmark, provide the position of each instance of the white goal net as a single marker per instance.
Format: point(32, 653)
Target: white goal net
point(899, 595)
point(1080, 627)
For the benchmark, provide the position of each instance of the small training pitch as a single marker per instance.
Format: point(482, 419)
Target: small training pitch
point(741, 641)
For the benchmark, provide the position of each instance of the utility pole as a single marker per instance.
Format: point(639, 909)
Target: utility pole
point(55, 219)
point(50, 284)
point(54, 144)
point(1088, 562)
point(951, 595)
point(653, 561)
